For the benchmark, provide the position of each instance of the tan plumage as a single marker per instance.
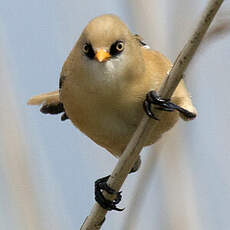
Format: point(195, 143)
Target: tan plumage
point(104, 98)
point(45, 98)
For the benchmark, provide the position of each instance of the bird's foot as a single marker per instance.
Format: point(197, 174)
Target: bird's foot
point(100, 186)
point(162, 104)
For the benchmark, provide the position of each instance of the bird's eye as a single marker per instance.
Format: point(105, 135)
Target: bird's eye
point(117, 48)
point(88, 50)
point(120, 46)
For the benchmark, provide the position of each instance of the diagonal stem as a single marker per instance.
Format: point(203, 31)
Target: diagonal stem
point(97, 216)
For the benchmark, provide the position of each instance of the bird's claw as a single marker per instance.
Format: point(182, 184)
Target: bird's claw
point(100, 186)
point(162, 104)
point(148, 111)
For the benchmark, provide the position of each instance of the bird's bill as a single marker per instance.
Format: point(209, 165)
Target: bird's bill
point(102, 55)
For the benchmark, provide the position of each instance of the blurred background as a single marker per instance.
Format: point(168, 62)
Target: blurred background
point(48, 168)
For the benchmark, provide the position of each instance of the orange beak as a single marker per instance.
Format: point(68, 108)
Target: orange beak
point(102, 55)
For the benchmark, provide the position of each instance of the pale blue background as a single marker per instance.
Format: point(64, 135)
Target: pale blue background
point(37, 37)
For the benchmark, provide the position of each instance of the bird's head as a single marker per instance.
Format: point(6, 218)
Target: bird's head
point(108, 50)
point(105, 38)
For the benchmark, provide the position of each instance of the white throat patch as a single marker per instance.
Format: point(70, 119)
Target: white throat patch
point(107, 71)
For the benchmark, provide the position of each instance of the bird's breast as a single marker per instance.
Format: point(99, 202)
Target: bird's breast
point(102, 116)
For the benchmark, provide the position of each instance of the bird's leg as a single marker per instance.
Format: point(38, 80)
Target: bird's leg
point(100, 186)
point(162, 104)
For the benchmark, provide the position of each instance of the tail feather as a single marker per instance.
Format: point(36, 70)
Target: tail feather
point(45, 98)
point(50, 103)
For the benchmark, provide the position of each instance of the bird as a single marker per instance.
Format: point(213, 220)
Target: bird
point(107, 83)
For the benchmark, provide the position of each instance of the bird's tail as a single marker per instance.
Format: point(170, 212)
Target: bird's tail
point(50, 103)
point(45, 98)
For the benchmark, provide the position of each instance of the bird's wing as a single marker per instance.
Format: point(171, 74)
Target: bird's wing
point(141, 41)
point(50, 103)
point(158, 67)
